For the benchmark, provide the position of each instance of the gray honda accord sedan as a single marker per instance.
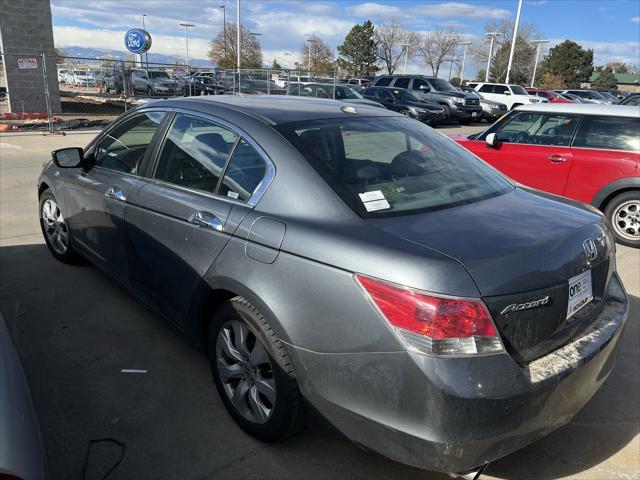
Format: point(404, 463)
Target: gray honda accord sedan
point(348, 261)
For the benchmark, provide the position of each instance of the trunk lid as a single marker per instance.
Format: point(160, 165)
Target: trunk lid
point(520, 248)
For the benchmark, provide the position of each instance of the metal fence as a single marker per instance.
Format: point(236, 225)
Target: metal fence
point(85, 92)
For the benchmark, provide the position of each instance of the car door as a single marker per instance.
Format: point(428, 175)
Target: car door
point(96, 196)
point(605, 149)
point(184, 215)
point(533, 149)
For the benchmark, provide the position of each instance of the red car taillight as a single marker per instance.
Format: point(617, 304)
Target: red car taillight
point(432, 324)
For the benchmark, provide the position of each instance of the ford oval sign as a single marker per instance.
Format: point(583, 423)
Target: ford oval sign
point(137, 40)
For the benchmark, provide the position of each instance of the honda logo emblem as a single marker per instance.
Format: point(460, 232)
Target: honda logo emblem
point(590, 249)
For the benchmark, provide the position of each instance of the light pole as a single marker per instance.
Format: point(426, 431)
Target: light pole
point(406, 54)
point(238, 36)
point(146, 55)
point(464, 57)
point(493, 36)
point(311, 41)
point(224, 28)
point(513, 40)
point(535, 65)
point(186, 40)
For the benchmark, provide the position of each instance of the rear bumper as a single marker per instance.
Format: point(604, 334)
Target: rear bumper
point(455, 414)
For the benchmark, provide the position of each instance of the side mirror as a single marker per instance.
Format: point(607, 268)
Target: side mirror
point(490, 140)
point(507, 92)
point(68, 157)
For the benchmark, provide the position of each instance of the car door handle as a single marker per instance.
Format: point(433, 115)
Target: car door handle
point(206, 220)
point(557, 158)
point(115, 192)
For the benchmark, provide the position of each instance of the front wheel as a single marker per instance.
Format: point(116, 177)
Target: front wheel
point(623, 213)
point(253, 374)
point(55, 230)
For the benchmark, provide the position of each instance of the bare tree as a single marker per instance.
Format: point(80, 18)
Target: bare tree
point(322, 58)
point(391, 40)
point(437, 47)
point(225, 53)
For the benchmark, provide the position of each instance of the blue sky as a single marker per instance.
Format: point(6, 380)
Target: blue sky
point(610, 27)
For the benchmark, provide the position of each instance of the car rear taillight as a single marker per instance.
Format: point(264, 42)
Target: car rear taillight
point(431, 324)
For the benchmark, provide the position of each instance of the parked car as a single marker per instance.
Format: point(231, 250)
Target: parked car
point(342, 92)
point(491, 110)
point(22, 454)
point(511, 95)
point(632, 100)
point(589, 153)
point(360, 82)
point(591, 95)
point(575, 98)
point(405, 102)
point(154, 82)
point(610, 97)
point(550, 95)
point(62, 75)
point(359, 263)
point(457, 105)
point(200, 85)
point(351, 95)
point(80, 78)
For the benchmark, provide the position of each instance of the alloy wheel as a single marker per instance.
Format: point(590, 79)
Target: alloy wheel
point(54, 227)
point(626, 220)
point(246, 372)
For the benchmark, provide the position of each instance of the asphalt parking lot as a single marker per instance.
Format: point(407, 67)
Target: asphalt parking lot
point(75, 330)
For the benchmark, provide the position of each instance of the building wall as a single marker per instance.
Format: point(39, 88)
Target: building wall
point(629, 88)
point(26, 32)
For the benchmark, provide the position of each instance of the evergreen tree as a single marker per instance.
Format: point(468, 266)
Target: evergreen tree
point(357, 54)
point(569, 61)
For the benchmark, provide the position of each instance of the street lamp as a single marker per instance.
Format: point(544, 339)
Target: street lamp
point(493, 36)
point(513, 40)
point(238, 36)
point(310, 40)
point(535, 65)
point(186, 39)
point(406, 54)
point(464, 56)
point(224, 28)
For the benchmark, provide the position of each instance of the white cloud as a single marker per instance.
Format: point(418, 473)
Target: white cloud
point(635, 19)
point(432, 10)
point(604, 52)
point(114, 40)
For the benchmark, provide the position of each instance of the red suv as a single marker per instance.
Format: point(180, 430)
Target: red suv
point(553, 97)
point(589, 153)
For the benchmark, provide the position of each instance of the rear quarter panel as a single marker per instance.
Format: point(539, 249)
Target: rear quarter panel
point(593, 169)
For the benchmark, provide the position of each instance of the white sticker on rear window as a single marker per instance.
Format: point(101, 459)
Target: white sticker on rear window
point(370, 196)
point(377, 205)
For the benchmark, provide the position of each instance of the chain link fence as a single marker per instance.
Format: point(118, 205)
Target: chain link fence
point(92, 92)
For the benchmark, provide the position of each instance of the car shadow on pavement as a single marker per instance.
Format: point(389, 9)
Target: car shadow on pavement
point(75, 329)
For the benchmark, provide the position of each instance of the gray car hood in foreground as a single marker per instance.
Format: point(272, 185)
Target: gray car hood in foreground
point(515, 242)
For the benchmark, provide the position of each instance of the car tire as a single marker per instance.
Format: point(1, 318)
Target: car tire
point(260, 367)
point(447, 114)
point(405, 112)
point(55, 231)
point(623, 213)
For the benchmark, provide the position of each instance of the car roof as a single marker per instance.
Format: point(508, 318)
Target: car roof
point(274, 109)
point(584, 109)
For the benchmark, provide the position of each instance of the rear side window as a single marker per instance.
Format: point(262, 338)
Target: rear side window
point(383, 82)
point(486, 89)
point(123, 148)
point(244, 173)
point(194, 153)
point(402, 83)
point(610, 133)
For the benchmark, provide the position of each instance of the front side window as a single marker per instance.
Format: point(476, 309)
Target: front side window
point(385, 95)
point(194, 153)
point(123, 148)
point(418, 82)
point(518, 90)
point(441, 85)
point(610, 133)
point(538, 129)
point(398, 166)
point(244, 173)
point(500, 89)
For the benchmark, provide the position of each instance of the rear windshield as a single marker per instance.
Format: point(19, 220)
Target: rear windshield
point(393, 166)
